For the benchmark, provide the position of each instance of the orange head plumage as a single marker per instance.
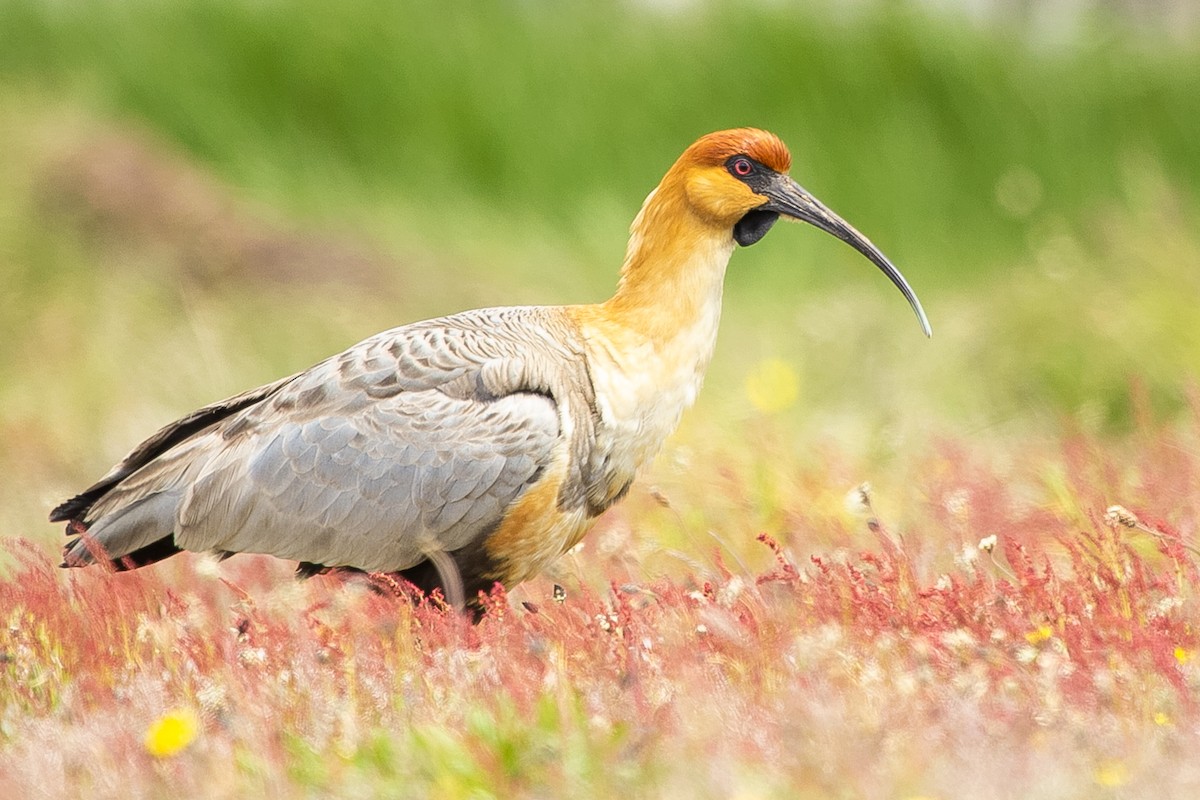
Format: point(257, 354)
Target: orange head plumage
point(703, 175)
point(715, 148)
point(731, 187)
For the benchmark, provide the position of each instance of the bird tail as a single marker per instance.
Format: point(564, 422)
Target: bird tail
point(128, 517)
point(128, 537)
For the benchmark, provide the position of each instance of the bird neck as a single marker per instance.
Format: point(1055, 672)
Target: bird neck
point(650, 344)
point(674, 271)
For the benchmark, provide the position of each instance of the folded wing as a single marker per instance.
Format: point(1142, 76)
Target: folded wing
point(413, 441)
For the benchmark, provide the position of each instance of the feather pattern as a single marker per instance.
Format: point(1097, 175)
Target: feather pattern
point(416, 439)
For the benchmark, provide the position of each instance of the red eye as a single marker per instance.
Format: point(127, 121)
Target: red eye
point(742, 167)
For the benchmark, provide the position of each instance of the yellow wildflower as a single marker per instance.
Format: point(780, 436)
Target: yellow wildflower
point(1039, 634)
point(172, 732)
point(1112, 773)
point(773, 385)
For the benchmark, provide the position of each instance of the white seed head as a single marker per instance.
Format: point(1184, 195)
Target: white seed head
point(858, 500)
point(1120, 515)
point(252, 656)
point(958, 503)
point(728, 594)
point(212, 697)
point(660, 497)
point(988, 543)
point(208, 565)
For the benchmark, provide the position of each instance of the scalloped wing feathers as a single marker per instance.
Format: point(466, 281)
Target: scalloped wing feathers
point(418, 438)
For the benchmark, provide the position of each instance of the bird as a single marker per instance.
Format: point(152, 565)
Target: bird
point(474, 449)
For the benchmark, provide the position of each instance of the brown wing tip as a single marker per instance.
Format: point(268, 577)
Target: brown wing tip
point(85, 551)
point(71, 510)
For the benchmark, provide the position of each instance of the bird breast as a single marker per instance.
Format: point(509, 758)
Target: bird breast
point(643, 385)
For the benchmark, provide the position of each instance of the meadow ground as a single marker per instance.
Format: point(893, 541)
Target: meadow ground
point(199, 197)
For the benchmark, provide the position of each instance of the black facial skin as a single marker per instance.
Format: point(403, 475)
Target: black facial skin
point(754, 226)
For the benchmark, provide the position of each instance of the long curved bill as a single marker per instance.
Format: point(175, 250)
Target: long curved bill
point(789, 199)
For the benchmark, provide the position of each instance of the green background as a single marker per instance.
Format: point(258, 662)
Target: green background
point(199, 196)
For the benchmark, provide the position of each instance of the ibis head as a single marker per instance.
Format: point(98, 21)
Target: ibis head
point(739, 178)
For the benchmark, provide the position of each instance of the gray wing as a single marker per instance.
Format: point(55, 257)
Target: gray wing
point(374, 489)
point(416, 439)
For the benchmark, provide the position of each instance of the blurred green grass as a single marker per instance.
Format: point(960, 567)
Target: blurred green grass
point(556, 115)
point(1040, 193)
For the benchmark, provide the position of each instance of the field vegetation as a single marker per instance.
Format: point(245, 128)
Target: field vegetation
point(868, 565)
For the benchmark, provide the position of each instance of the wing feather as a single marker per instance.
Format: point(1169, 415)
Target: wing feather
point(415, 486)
point(418, 437)
point(377, 458)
